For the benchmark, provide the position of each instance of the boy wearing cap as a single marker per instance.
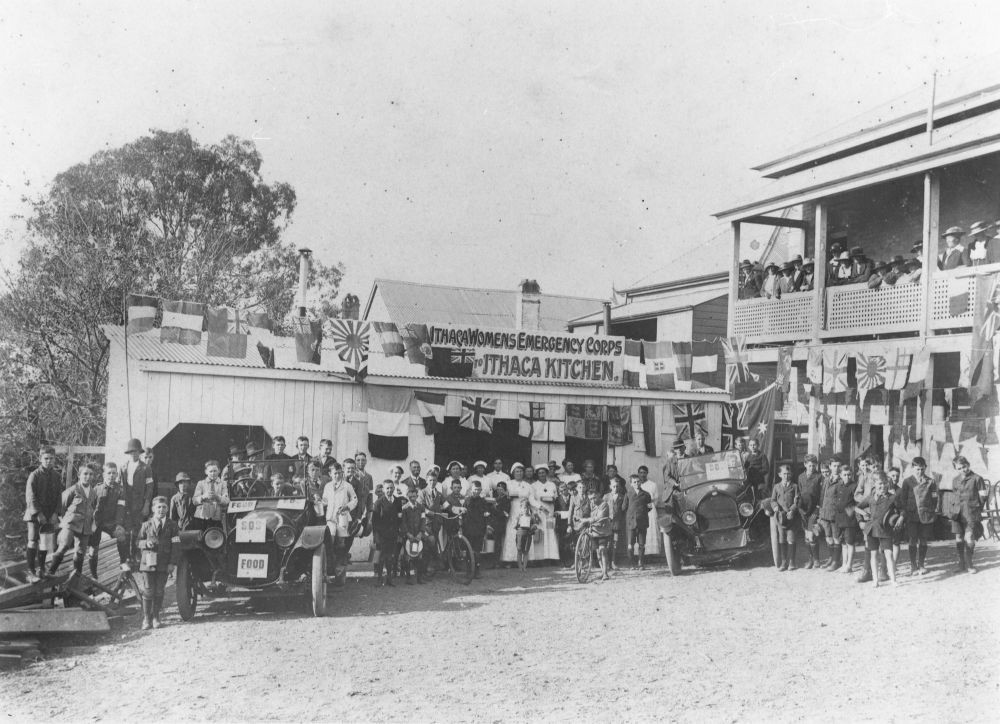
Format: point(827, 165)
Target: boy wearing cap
point(810, 491)
point(968, 494)
point(77, 522)
point(159, 550)
point(477, 520)
point(42, 498)
point(182, 507)
point(953, 255)
point(919, 501)
point(413, 528)
point(105, 510)
point(136, 482)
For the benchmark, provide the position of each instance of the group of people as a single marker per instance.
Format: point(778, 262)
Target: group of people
point(872, 507)
point(852, 266)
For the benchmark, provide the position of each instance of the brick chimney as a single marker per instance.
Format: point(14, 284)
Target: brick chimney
point(529, 305)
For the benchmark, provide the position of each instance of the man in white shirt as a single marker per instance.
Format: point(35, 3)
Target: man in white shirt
point(496, 475)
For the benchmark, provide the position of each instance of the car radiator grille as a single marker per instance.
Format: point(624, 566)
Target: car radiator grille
point(718, 512)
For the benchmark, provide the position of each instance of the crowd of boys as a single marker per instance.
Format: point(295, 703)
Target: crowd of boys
point(866, 507)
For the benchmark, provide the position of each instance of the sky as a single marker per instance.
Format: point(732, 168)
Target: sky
point(582, 144)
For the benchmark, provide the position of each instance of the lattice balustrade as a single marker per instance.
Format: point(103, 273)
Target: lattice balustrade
point(856, 309)
point(775, 320)
point(952, 294)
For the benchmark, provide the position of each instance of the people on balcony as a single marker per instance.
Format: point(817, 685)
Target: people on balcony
point(749, 284)
point(786, 282)
point(953, 255)
point(861, 266)
point(807, 282)
point(769, 289)
point(982, 248)
point(842, 273)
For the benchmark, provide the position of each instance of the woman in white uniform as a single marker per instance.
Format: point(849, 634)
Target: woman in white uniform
point(545, 492)
point(518, 489)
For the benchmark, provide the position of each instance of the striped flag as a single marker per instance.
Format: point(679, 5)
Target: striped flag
point(708, 366)
point(389, 336)
point(650, 438)
point(682, 364)
point(633, 361)
point(659, 365)
point(430, 407)
point(388, 422)
point(477, 413)
point(182, 322)
point(141, 313)
point(225, 334)
point(985, 319)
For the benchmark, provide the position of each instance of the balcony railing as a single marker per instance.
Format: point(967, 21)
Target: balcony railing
point(856, 310)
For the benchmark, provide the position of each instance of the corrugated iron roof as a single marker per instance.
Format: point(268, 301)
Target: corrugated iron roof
point(667, 304)
point(413, 302)
point(148, 347)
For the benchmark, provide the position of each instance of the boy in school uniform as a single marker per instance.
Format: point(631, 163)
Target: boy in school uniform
point(883, 519)
point(600, 529)
point(969, 493)
point(77, 522)
point(785, 501)
point(413, 529)
point(919, 501)
point(828, 513)
point(105, 511)
point(181, 509)
point(454, 504)
point(618, 508)
point(385, 531)
point(210, 498)
point(476, 522)
point(42, 495)
point(846, 522)
point(159, 550)
point(810, 490)
point(639, 504)
point(564, 530)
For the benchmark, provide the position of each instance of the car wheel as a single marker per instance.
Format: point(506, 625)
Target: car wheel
point(775, 543)
point(187, 592)
point(319, 581)
point(671, 554)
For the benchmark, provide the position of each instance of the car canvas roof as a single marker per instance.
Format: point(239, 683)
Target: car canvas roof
point(721, 466)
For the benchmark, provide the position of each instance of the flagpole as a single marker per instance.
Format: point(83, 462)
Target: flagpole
point(128, 389)
point(755, 396)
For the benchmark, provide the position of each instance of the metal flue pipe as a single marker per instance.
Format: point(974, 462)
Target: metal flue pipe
point(305, 256)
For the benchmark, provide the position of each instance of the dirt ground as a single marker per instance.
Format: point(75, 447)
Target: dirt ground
point(736, 644)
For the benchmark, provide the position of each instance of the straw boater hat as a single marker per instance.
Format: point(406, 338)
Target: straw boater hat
point(978, 227)
point(134, 445)
point(917, 247)
point(808, 262)
point(788, 266)
point(954, 231)
point(413, 548)
point(844, 258)
point(771, 265)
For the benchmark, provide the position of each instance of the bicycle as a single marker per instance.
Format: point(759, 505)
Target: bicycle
point(583, 554)
point(457, 553)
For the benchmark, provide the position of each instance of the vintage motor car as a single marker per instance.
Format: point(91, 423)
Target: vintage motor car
point(269, 545)
point(712, 516)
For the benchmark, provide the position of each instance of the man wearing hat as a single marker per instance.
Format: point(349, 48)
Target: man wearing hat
point(235, 469)
point(137, 487)
point(877, 277)
point(833, 256)
point(953, 255)
point(749, 288)
point(982, 248)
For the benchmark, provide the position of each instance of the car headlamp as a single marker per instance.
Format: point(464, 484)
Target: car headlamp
point(746, 509)
point(214, 538)
point(284, 536)
point(689, 517)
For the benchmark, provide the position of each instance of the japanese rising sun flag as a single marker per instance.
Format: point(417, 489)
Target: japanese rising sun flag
point(351, 339)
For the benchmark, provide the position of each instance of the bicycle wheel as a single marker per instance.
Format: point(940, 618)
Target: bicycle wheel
point(582, 557)
point(462, 559)
point(434, 560)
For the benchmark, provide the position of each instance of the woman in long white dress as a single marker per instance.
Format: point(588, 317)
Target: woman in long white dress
point(545, 492)
point(518, 489)
point(654, 543)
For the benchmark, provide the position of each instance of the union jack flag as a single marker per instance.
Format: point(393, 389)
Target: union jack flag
point(463, 356)
point(351, 340)
point(688, 419)
point(731, 429)
point(478, 413)
point(737, 361)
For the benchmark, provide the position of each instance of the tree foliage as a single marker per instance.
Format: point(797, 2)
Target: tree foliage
point(164, 216)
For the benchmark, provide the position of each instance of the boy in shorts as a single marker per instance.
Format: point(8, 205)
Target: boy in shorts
point(828, 514)
point(846, 524)
point(919, 501)
point(810, 490)
point(970, 492)
point(600, 529)
point(884, 517)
